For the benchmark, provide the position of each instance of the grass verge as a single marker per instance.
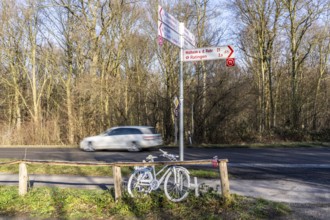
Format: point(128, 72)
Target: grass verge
point(60, 203)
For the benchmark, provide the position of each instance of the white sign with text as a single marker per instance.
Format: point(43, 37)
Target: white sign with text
point(208, 53)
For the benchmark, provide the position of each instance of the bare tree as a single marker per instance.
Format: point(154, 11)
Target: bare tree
point(319, 60)
point(261, 24)
point(301, 15)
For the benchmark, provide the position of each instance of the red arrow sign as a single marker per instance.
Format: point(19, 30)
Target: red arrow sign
point(231, 51)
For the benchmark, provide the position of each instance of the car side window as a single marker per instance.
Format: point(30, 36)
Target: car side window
point(115, 132)
point(124, 131)
point(135, 131)
point(128, 131)
point(152, 130)
point(121, 131)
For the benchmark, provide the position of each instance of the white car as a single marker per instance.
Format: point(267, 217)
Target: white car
point(131, 138)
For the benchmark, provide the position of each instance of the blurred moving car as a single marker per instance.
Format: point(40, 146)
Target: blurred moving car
point(131, 138)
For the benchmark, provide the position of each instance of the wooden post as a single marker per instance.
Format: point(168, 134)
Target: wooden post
point(22, 179)
point(224, 181)
point(117, 180)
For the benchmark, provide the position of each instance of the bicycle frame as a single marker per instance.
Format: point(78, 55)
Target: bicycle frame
point(155, 175)
point(169, 169)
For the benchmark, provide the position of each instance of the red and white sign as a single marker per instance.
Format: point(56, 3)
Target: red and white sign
point(230, 62)
point(209, 53)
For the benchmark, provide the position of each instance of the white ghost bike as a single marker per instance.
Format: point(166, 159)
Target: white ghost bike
point(145, 179)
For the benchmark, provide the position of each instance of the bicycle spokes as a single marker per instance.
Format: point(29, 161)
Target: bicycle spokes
point(177, 185)
point(138, 184)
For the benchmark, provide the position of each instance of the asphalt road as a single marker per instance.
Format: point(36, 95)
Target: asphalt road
point(316, 156)
point(301, 164)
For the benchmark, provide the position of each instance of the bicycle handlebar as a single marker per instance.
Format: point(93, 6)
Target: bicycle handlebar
point(151, 158)
point(164, 154)
point(168, 156)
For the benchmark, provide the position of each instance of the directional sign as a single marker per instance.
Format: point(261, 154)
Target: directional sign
point(208, 53)
point(189, 38)
point(168, 19)
point(169, 28)
point(165, 32)
point(187, 45)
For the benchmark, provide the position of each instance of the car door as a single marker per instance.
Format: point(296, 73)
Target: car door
point(112, 139)
point(125, 138)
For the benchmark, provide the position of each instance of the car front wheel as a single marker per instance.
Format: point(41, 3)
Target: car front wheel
point(133, 146)
point(89, 147)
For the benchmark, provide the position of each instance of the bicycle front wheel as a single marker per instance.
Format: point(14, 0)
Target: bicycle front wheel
point(137, 185)
point(176, 185)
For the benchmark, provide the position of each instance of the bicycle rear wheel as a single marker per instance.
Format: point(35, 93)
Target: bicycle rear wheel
point(176, 185)
point(137, 185)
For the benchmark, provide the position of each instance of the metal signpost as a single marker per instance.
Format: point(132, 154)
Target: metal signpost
point(175, 32)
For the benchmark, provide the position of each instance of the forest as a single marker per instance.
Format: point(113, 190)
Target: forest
point(74, 68)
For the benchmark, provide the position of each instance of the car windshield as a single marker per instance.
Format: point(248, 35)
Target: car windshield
point(104, 133)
